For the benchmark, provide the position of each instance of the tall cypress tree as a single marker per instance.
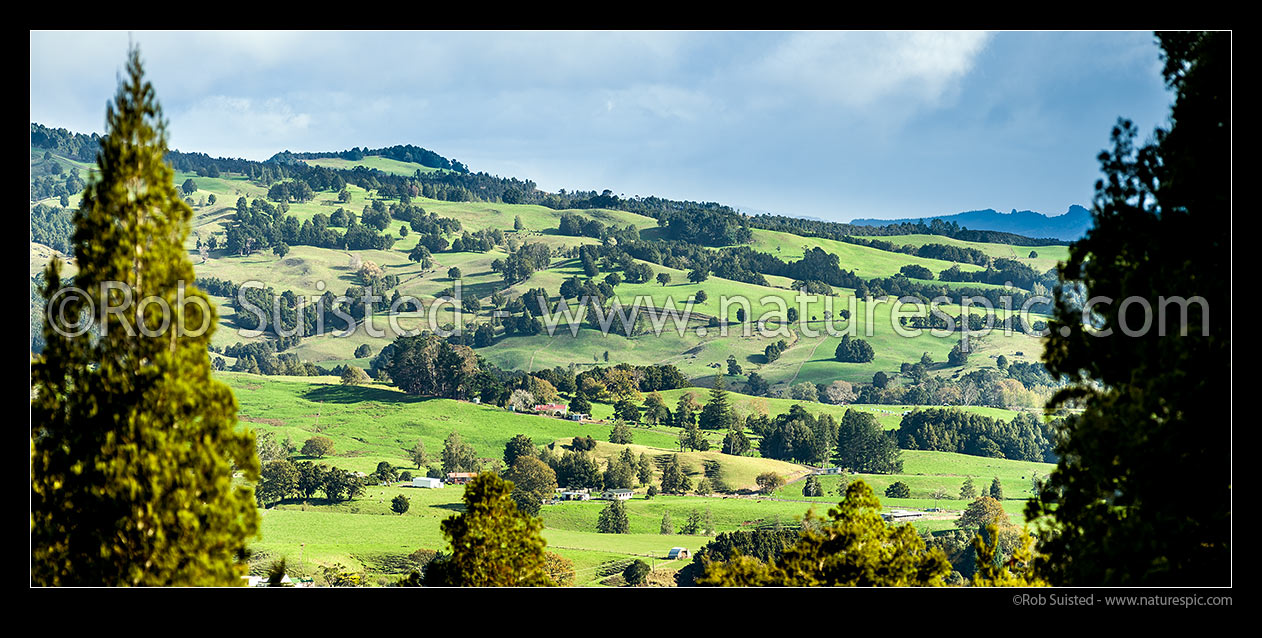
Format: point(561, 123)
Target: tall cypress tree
point(133, 444)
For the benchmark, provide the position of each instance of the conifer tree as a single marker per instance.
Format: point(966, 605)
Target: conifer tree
point(674, 480)
point(613, 519)
point(717, 414)
point(644, 469)
point(492, 543)
point(996, 489)
point(968, 491)
point(133, 444)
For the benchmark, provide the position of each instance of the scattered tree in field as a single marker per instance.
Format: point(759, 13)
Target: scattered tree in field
point(692, 525)
point(517, 224)
point(853, 350)
point(459, 456)
point(492, 543)
point(620, 471)
point(317, 446)
point(692, 438)
point(341, 485)
point(369, 271)
point(400, 504)
point(717, 414)
point(674, 480)
point(621, 433)
point(560, 569)
point(278, 480)
point(613, 519)
point(735, 442)
point(353, 375)
point(812, 487)
point(655, 410)
point(453, 273)
point(517, 447)
point(386, 472)
point(996, 489)
point(626, 410)
point(864, 446)
point(983, 511)
point(663, 278)
point(939, 494)
point(667, 526)
point(705, 487)
point(804, 391)
point(755, 385)
point(644, 470)
point(363, 350)
point(426, 365)
point(769, 482)
point(898, 489)
point(839, 393)
point(843, 482)
point(133, 442)
point(521, 400)
point(418, 454)
point(733, 368)
point(533, 481)
point(636, 573)
point(968, 491)
point(686, 410)
point(880, 379)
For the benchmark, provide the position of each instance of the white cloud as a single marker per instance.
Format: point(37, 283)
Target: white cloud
point(259, 124)
point(859, 70)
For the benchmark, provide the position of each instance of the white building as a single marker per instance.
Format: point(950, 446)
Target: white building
point(427, 482)
point(677, 553)
point(898, 516)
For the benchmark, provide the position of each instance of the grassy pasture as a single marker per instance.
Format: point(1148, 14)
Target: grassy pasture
point(373, 423)
point(1047, 258)
point(383, 164)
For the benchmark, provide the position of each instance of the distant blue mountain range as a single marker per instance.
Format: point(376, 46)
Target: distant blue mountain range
point(1072, 225)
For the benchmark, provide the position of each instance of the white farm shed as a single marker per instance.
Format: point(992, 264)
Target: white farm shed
point(426, 482)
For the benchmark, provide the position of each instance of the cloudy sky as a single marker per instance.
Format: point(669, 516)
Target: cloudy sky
point(835, 125)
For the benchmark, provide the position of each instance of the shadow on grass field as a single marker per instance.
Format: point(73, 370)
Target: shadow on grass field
point(357, 394)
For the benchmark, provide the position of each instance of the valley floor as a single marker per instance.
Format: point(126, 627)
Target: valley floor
point(374, 423)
